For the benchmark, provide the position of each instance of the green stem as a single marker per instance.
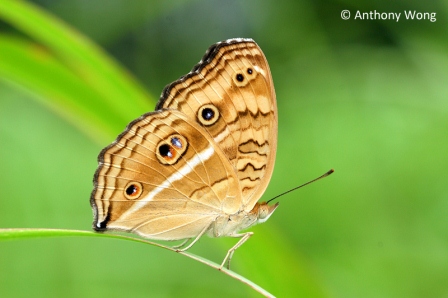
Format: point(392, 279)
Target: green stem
point(16, 234)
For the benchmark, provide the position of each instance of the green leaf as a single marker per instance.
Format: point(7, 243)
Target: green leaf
point(93, 88)
point(32, 66)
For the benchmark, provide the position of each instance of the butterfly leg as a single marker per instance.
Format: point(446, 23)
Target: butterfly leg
point(229, 254)
point(178, 247)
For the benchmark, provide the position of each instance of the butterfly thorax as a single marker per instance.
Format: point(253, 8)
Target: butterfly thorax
point(228, 225)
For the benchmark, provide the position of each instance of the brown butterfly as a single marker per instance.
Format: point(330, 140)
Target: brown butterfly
point(200, 162)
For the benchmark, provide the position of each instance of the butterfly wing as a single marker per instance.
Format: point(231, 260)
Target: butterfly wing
point(230, 93)
point(163, 178)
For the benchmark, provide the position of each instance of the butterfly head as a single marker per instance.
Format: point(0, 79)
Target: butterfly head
point(265, 211)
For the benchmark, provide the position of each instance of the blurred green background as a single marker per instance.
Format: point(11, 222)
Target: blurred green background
point(368, 98)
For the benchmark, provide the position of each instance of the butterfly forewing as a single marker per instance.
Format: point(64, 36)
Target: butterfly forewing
point(233, 81)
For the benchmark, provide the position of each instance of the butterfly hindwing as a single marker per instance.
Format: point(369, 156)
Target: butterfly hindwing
point(163, 178)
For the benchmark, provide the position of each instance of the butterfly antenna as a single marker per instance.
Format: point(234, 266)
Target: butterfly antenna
point(314, 180)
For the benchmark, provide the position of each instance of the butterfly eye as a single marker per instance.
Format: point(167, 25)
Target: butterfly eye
point(239, 77)
point(242, 78)
point(170, 150)
point(167, 152)
point(133, 190)
point(208, 114)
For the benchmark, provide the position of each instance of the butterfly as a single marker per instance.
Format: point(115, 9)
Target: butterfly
point(201, 161)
